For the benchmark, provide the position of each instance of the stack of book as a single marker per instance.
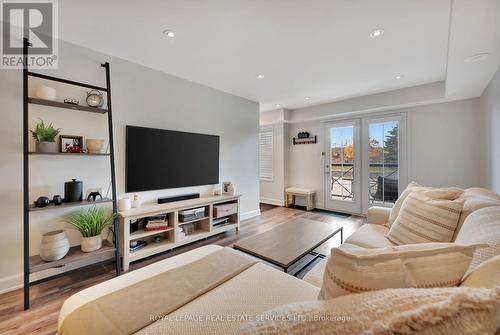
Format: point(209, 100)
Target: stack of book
point(159, 222)
point(220, 222)
point(137, 245)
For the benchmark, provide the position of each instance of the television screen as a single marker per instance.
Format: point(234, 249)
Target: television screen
point(159, 159)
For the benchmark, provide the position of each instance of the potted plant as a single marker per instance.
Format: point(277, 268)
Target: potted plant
point(90, 223)
point(45, 137)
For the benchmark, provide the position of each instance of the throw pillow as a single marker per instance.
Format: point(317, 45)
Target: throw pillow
point(357, 270)
point(423, 219)
point(449, 193)
point(466, 311)
point(482, 226)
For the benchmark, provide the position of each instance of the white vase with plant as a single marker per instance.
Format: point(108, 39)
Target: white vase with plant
point(90, 223)
point(45, 137)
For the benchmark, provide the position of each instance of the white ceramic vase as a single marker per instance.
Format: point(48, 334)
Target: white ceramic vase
point(46, 93)
point(90, 244)
point(55, 245)
point(124, 204)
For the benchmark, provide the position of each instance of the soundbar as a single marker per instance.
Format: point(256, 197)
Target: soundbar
point(174, 198)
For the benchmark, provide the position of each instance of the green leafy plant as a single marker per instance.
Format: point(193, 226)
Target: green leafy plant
point(90, 222)
point(43, 133)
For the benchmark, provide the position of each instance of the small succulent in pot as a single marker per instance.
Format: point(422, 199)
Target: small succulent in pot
point(45, 137)
point(90, 223)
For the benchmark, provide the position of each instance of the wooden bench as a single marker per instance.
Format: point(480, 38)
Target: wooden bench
point(292, 192)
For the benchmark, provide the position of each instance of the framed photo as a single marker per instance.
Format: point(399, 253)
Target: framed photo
point(71, 144)
point(228, 188)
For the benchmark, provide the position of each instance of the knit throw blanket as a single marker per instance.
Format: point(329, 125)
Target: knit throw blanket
point(130, 309)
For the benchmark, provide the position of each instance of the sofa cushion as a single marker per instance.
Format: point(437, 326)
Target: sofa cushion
point(486, 274)
point(482, 226)
point(475, 198)
point(315, 275)
point(450, 193)
point(370, 236)
point(378, 215)
point(423, 219)
point(439, 311)
point(356, 270)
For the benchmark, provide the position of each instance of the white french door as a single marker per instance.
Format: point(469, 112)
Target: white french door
point(342, 168)
point(365, 162)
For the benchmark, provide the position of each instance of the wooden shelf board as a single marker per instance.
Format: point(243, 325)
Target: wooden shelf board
point(66, 154)
point(70, 204)
point(75, 254)
point(193, 221)
point(59, 104)
point(143, 233)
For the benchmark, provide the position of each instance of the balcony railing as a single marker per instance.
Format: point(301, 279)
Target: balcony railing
point(383, 182)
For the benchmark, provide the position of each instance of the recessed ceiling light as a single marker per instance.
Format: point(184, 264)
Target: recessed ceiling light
point(399, 76)
point(308, 98)
point(260, 76)
point(278, 105)
point(477, 57)
point(377, 33)
point(169, 33)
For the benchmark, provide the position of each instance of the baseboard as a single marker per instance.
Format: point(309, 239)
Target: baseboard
point(249, 215)
point(275, 202)
point(11, 283)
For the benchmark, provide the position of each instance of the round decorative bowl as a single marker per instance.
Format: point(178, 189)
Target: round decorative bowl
point(55, 245)
point(95, 146)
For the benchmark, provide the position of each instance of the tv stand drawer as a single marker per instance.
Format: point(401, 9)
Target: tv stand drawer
point(221, 210)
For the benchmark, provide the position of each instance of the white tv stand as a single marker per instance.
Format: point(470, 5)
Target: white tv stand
point(170, 238)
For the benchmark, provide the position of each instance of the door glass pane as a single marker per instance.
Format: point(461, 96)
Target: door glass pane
point(342, 163)
point(384, 162)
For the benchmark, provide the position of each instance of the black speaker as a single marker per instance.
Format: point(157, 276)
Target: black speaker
point(164, 200)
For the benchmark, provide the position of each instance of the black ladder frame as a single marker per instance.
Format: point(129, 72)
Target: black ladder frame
point(26, 202)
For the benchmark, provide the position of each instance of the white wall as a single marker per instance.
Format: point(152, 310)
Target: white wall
point(142, 97)
point(445, 144)
point(490, 120)
point(443, 147)
point(305, 162)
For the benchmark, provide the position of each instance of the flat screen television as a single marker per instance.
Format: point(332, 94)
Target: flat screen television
point(159, 159)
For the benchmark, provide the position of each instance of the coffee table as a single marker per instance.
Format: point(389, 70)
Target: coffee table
point(289, 242)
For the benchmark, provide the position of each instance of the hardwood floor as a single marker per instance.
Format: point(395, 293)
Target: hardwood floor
point(47, 298)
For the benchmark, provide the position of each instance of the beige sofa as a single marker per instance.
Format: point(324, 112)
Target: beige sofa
point(471, 228)
point(261, 287)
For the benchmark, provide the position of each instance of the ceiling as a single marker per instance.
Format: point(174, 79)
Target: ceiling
point(320, 49)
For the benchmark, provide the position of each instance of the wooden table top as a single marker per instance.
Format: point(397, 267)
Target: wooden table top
point(288, 242)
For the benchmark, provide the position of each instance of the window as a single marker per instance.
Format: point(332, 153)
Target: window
point(342, 162)
point(384, 162)
point(266, 153)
